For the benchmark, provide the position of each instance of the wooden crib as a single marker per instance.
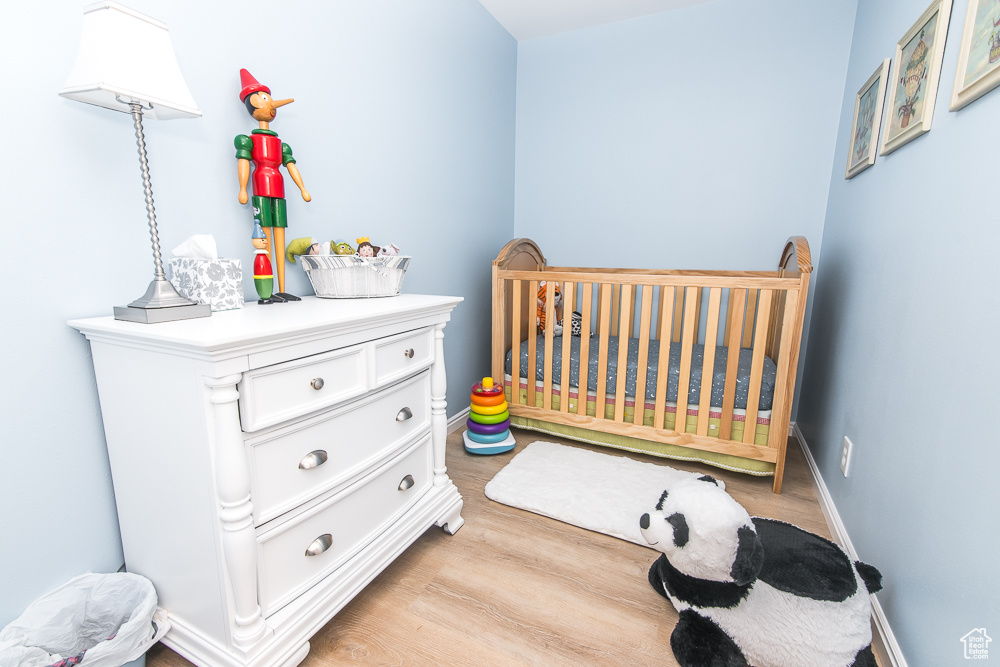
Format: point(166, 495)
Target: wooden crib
point(702, 315)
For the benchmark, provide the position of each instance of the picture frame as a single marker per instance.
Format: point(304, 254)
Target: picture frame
point(867, 122)
point(918, 70)
point(979, 57)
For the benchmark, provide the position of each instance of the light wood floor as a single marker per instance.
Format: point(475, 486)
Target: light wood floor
point(515, 588)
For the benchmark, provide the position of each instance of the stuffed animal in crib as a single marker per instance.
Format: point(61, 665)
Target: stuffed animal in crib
point(540, 309)
point(755, 591)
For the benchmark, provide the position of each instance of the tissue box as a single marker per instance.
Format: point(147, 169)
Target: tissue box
point(217, 282)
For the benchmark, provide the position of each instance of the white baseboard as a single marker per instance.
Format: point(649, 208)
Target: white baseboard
point(840, 535)
point(458, 421)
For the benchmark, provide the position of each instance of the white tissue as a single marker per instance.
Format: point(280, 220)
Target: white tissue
point(199, 246)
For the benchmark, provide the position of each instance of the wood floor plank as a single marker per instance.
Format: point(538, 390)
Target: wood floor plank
point(515, 588)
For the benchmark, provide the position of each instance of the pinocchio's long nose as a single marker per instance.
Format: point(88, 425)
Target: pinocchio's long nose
point(644, 521)
point(280, 103)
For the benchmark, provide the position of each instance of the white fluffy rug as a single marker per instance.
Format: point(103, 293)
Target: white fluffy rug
point(599, 492)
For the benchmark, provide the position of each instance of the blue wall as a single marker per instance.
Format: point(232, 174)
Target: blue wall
point(902, 356)
point(700, 138)
point(697, 138)
point(403, 129)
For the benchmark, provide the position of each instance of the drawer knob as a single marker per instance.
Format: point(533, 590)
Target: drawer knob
point(313, 460)
point(404, 414)
point(317, 383)
point(407, 483)
point(320, 544)
point(408, 353)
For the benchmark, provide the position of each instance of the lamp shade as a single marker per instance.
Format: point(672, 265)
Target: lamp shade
point(127, 56)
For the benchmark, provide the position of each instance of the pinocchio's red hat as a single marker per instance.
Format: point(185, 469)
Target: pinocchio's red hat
point(250, 85)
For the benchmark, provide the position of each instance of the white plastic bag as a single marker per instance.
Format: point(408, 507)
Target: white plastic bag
point(108, 618)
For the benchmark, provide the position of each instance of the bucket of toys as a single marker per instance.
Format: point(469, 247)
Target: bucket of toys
point(354, 277)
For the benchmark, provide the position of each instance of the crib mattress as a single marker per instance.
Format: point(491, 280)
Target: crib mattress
point(673, 369)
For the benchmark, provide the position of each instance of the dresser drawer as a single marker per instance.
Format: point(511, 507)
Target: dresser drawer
point(295, 463)
point(277, 393)
point(301, 551)
point(402, 355)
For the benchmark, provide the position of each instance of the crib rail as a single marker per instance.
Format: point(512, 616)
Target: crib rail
point(761, 311)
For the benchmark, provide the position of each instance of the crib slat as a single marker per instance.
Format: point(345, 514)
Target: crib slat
point(757, 366)
point(569, 300)
point(666, 323)
point(583, 380)
point(532, 373)
point(515, 344)
point(729, 315)
point(737, 303)
point(616, 295)
point(623, 335)
point(602, 353)
point(687, 345)
point(660, 306)
point(678, 309)
point(777, 437)
point(630, 323)
point(708, 362)
point(645, 315)
point(697, 308)
point(550, 324)
point(748, 322)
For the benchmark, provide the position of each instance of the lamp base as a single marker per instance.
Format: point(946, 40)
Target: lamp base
point(161, 303)
point(157, 315)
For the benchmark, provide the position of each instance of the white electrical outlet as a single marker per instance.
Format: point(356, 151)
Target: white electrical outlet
point(845, 456)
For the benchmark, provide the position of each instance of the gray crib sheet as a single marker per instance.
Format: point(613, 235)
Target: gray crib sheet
point(673, 368)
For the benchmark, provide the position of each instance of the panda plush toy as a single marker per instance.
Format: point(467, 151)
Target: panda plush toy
point(753, 591)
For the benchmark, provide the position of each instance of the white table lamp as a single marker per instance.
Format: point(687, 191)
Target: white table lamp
point(127, 63)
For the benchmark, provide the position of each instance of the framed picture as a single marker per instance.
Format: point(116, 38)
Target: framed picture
point(918, 68)
point(979, 58)
point(867, 121)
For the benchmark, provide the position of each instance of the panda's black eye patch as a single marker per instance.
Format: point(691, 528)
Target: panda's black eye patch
point(659, 505)
point(680, 525)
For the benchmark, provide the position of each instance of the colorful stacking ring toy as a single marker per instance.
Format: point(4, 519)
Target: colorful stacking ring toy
point(487, 429)
point(489, 419)
point(487, 410)
point(484, 439)
point(488, 401)
point(488, 425)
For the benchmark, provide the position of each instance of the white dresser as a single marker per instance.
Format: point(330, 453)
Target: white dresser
point(269, 462)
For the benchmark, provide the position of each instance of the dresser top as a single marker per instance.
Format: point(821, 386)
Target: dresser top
point(256, 323)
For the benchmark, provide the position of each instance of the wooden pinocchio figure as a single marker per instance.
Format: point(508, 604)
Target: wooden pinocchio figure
point(263, 276)
point(268, 153)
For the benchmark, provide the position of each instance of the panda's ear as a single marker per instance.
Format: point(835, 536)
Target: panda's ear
point(659, 504)
point(749, 556)
point(718, 482)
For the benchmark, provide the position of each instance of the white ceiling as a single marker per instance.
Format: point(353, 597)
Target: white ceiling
point(529, 19)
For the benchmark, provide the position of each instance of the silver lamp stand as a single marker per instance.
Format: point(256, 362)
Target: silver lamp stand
point(161, 302)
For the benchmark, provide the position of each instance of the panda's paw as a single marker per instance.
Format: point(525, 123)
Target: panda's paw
point(699, 642)
point(656, 576)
